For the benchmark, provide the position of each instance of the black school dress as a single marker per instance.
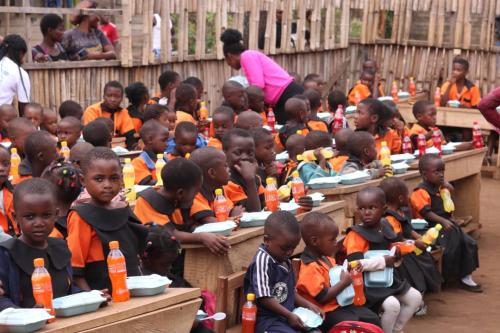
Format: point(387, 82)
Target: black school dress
point(420, 271)
point(379, 240)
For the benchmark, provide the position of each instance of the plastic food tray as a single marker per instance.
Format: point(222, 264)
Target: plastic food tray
point(147, 285)
point(324, 182)
point(76, 304)
point(382, 278)
point(346, 296)
point(221, 228)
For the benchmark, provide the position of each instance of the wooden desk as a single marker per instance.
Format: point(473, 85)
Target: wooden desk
point(172, 311)
point(202, 268)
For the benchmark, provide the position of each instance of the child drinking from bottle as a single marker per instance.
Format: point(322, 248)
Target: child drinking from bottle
point(316, 141)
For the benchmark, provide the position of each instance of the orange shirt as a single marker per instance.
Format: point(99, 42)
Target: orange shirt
point(145, 168)
point(420, 200)
point(363, 90)
point(214, 142)
point(338, 162)
point(163, 213)
point(284, 133)
point(7, 221)
point(354, 242)
point(137, 124)
point(469, 97)
point(393, 141)
point(416, 128)
point(202, 206)
point(236, 193)
point(395, 224)
point(317, 125)
point(184, 116)
point(263, 116)
point(122, 120)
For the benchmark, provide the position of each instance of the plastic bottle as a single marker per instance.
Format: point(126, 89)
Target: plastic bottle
point(421, 143)
point(203, 111)
point(437, 97)
point(221, 208)
point(271, 120)
point(412, 87)
point(385, 154)
point(357, 283)
point(407, 147)
point(271, 195)
point(298, 189)
point(160, 163)
point(394, 91)
point(15, 160)
point(448, 204)
point(477, 137)
point(42, 285)
point(249, 315)
point(117, 273)
point(129, 180)
point(436, 139)
point(309, 156)
point(429, 237)
point(65, 151)
point(338, 120)
point(357, 98)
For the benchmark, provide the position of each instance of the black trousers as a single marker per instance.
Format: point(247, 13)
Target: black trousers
point(350, 312)
point(279, 109)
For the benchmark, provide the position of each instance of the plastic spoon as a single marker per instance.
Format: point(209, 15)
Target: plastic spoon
point(215, 316)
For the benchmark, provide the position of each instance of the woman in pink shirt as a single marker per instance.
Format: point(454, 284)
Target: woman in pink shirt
point(260, 71)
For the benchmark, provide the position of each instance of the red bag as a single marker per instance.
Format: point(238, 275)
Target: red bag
point(355, 327)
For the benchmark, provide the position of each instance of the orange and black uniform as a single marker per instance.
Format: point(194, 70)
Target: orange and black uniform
point(235, 189)
point(316, 124)
point(337, 162)
point(286, 173)
point(285, 132)
point(214, 142)
point(60, 228)
point(90, 229)
point(9, 226)
point(414, 131)
point(145, 167)
point(313, 284)
point(203, 205)
point(469, 97)
point(391, 137)
point(363, 91)
point(184, 116)
point(24, 171)
point(136, 116)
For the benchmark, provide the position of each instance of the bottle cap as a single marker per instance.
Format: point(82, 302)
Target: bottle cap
point(438, 227)
point(13, 150)
point(187, 156)
point(354, 264)
point(384, 143)
point(113, 245)
point(295, 174)
point(251, 297)
point(39, 262)
point(340, 106)
point(202, 103)
point(411, 78)
point(269, 180)
point(300, 157)
point(64, 144)
point(159, 156)
point(128, 160)
point(218, 191)
point(299, 132)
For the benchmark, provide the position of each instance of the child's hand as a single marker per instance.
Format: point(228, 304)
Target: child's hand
point(215, 243)
point(320, 158)
point(421, 245)
point(237, 211)
point(107, 295)
point(388, 171)
point(271, 170)
point(448, 186)
point(390, 260)
point(295, 322)
point(247, 170)
point(316, 309)
point(306, 203)
point(447, 225)
point(345, 278)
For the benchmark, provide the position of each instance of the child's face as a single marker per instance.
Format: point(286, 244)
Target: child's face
point(161, 265)
point(370, 152)
point(36, 215)
point(163, 119)
point(404, 200)
point(458, 71)
point(222, 124)
point(281, 247)
point(50, 122)
point(366, 79)
point(6, 116)
point(241, 149)
point(434, 172)
point(113, 97)
point(326, 243)
point(370, 208)
point(19, 137)
point(33, 114)
point(103, 180)
point(220, 171)
point(185, 142)
point(428, 117)
point(68, 132)
point(185, 197)
point(264, 150)
point(172, 119)
point(363, 117)
point(4, 165)
point(159, 141)
point(238, 100)
point(256, 102)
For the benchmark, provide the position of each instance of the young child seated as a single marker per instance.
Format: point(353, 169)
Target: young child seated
point(40, 149)
point(99, 220)
point(234, 96)
point(342, 154)
point(256, 102)
point(372, 116)
point(69, 129)
point(425, 114)
point(7, 113)
point(336, 98)
point(161, 113)
point(244, 187)
point(49, 121)
point(34, 113)
point(168, 81)
point(397, 123)
point(460, 257)
point(170, 205)
point(264, 153)
point(459, 88)
point(197, 84)
point(296, 110)
point(155, 136)
point(315, 123)
point(97, 134)
point(7, 223)
point(35, 211)
point(66, 179)
point(400, 301)
point(270, 277)
point(138, 96)
point(314, 81)
point(70, 108)
point(365, 88)
point(186, 103)
point(372, 65)
point(320, 233)
point(78, 152)
point(308, 170)
point(223, 121)
point(295, 145)
point(212, 163)
point(185, 136)
point(19, 129)
point(363, 156)
point(248, 120)
point(110, 108)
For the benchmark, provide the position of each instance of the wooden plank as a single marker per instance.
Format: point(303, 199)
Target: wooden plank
point(126, 35)
point(301, 26)
point(59, 11)
point(200, 30)
point(166, 36)
point(344, 25)
point(467, 29)
point(431, 35)
point(270, 38)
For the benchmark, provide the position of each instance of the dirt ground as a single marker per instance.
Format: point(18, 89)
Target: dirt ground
point(456, 310)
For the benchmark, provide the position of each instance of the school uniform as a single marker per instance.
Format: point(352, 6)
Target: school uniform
point(416, 129)
point(90, 229)
point(469, 97)
point(354, 164)
point(214, 142)
point(184, 116)
point(338, 162)
point(60, 228)
point(285, 132)
point(200, 143)
point(266, 277)
point(420, 271)
point(16, 268)
point(391, 137)
point(236, 189)
point(311, 170)
point(360, 239)
point(460, 257)
point(363, 91)
point(145, 167)
point(9, 225)
point(158, 99)
point(24, 171)
point(203, 205)
point(286, 173)
point(313, 284)
point(263, 115)
point(317, 124)
point(121, 118)
point(136, 116)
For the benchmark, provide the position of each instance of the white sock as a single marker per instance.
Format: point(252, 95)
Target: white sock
point(468, 281)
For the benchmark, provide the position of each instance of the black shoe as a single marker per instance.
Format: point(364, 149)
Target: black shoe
point(472, 289)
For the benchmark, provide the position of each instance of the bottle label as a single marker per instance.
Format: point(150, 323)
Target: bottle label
point(249, 316)
point(117, 268)
point(357, 282)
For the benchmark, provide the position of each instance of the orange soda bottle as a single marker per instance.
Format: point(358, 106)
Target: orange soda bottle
point(65, 151)
point(249, 315)
point(221, 208)
point(298, 189)
point(203, 111)
point(117, 273)
point(437, 97)
point(15, 160)
point(357, 283)
point(412, 87)
point(42, 285)
point(271, 195)
point(394, 91)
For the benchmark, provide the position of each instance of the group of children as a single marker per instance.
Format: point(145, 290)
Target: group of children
point(66, 207)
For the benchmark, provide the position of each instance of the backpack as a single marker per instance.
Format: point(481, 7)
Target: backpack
point(355, 327)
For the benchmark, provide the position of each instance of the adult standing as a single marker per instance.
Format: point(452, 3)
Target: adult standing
point(488, 106)
point(50, 49)
point(261, 71)
point(14, 80)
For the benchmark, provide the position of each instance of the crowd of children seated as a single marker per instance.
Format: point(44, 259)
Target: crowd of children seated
point(67, 207)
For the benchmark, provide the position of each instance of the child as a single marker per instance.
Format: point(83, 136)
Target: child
point(244, 187)
point(315, 123)
point(92, 225)
point(264, 153)
point(248, 120)
point(168, 81)
point(342, 155)
point(235, 96)
point(256, 102)
point(186, 103)
point(363, 156)
point(170, 205)
point(425, 113)
point(295, 145)
point(372, 65)
point(155, 136)
point(97, 134)
point(397, 123)
point(197, 84)
point(314, 81)
point(185, 136)
point(296, 110)
point(8, 225)
point(40, 149)
point(335, 99)
point(212, 163)
point(270, 277)
point(35, 211)
point(138, 96)
point(161, 113)
point(79, 151)
point(363, 89)
point(320, 233)
point(460, 257)
point(110, 108)
point(19, 129)
point(49, 121)
point(459, 88)
point(69, 129)
point(65, 177)
point(70, 108)
point(7, 113)
point(223, 121)
point(399, 301)
point(308, 170)
point(34, 113)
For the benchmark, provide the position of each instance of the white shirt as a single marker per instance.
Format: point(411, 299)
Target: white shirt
point(12, 78)
point(156, 34)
